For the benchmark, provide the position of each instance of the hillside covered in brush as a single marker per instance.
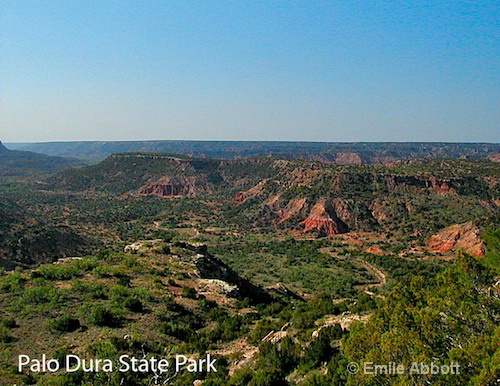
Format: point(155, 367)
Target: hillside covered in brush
point(22, 163)
point(410, 196)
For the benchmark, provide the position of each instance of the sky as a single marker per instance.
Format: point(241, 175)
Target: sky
point(336, 71)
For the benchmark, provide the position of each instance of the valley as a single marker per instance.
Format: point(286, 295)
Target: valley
point(284, 269)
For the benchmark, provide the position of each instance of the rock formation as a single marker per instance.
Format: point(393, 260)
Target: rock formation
point(210, 267)
point(175, 187)
point(441, 187)
point(295, 207)
point(385, 212)
point(459, 236)
point(281, 289)
point(495, 157)
point(348, 159)
point(324, 219)
point(251, 193)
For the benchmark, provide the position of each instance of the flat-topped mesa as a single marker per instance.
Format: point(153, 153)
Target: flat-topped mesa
point(323, 218)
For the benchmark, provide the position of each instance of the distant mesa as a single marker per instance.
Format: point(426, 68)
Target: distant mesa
point(23, 163)
point(333, 152)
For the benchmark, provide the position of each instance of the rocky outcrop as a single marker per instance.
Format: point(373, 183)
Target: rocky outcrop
point(460, 236)
point(178, 186)
point(295, 208)
point(275, 336)
point(375, 251)
point(345, 212)
point(43, 244)
point(441, 187)
point(251, 193)
point(138, 246)
point(495, 157)
point(324, 219)
point(281, 289)
point(345, 320)
point(218, 287)
point(380, 211)
point(348, 159)
point(304, 176)
point(404, 184)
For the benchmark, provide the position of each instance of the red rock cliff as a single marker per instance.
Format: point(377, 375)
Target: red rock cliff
point(460, 236)
point(323, 218)
point(175, 187)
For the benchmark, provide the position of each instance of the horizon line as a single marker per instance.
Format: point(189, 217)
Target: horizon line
point(248, 141)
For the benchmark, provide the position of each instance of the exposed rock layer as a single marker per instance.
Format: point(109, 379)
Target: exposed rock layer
point(460, 236)
point(175, 187)
point(323, 218)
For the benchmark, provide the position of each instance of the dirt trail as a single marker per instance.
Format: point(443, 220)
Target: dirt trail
point(382, 279)
point(377, 273)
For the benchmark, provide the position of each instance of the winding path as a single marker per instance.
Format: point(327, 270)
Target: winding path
point(377, 273)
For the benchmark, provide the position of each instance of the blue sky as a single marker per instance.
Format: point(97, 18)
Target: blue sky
point(234, 70)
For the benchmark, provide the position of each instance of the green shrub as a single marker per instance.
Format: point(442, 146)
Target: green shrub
point(118, 292)
point(182, 326)
point(42, 294)
point(101, 316)
point(227, 329)
point(131, 262)
point(188, 292)
point(12, 282)
point(208, 305)
point(64, 324)
point(177, 329)
point(124, 280)
point(133, 304)
point(94, 290)
point(9, 323)
point(162, 250)
point(364, 303)
point(4, 335)
point(65, 271)
point(321, 348)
